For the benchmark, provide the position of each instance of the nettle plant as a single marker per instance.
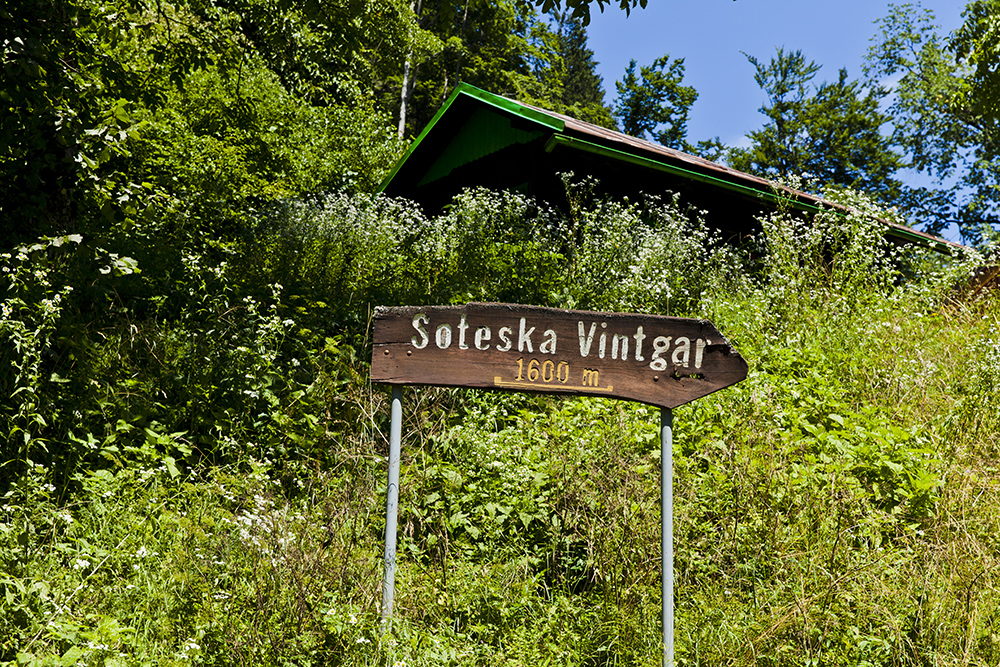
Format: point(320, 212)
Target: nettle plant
point(30, 313)
point(222, 365)
point(39, 344)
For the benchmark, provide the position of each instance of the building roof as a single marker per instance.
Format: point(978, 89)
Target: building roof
point(481, 139)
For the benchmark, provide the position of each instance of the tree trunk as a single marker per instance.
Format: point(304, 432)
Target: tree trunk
point(407, 88)
point(404, 95)
point(461, 36)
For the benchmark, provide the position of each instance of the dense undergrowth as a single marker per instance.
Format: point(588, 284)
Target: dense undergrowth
point(194, 458)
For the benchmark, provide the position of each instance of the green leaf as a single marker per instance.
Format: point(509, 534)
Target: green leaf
point(171, 466)
point(71, 657)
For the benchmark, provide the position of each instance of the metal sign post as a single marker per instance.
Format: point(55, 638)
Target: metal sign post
point(661, 361)
point(392, 506)
point(667, 532)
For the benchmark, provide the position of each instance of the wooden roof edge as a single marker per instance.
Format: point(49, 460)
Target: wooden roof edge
point(722, 174)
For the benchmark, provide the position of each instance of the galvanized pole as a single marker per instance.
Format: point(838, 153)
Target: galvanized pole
point(391, 506)
point(667, 531)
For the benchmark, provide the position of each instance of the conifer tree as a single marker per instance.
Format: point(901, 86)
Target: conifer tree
point(581, 83)
point(582, 88)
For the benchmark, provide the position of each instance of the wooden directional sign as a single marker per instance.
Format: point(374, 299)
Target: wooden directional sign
point(663, 361)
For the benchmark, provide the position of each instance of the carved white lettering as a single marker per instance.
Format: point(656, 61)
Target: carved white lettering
point(443, 336)
point(504, 334)
point(639, 337)
point(699, 351)
point(482, 337)
point(621, 339)
point(667, 351)
point(462, 326)
point(585, 338)
point(548, 345)
point(682, 353)
point(661, 344)
point(524, 337)
point(419, 320)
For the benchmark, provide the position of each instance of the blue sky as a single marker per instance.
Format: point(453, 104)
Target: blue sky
point(710, 35)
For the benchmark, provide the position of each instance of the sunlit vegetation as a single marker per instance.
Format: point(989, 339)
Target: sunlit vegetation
point(204, 484)
point(192, 456)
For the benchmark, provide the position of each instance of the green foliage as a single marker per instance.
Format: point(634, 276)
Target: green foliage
point(492, 45)
point(653, 99)
point(976, 412)
point(582, 84)
point(581, 8)
point(29, 318)
point(256, 142)
point(829, 134)
point(323, 53)
point(655, 257)
point(204, 474)
point(503, 47)
point(352, 253)
point(575, 88)
point(192, 465)
point(184, 565)
point(66, 119)
point(122, 114)
point(977, 42)
point(345, 254)
point(941, 113)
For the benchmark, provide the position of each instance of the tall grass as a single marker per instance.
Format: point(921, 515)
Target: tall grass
point(838, 507)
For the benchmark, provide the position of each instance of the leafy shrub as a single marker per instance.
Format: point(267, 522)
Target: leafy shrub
point(212, 438)
point(656, 257)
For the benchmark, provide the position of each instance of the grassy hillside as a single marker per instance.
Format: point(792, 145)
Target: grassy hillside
point(194, 469)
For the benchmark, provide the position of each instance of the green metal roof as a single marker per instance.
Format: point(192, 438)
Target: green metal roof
point(484, 135)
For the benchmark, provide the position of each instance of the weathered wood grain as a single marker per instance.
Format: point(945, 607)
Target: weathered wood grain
point(663, 361)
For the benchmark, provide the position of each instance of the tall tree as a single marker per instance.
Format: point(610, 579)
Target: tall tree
point(655, 102)
point(776, 149)
point(977, 44)
point(830, 134)
point(567, 72)
point(488, 44)
point(581, 82)
point(844, 144)
point(943, 107)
